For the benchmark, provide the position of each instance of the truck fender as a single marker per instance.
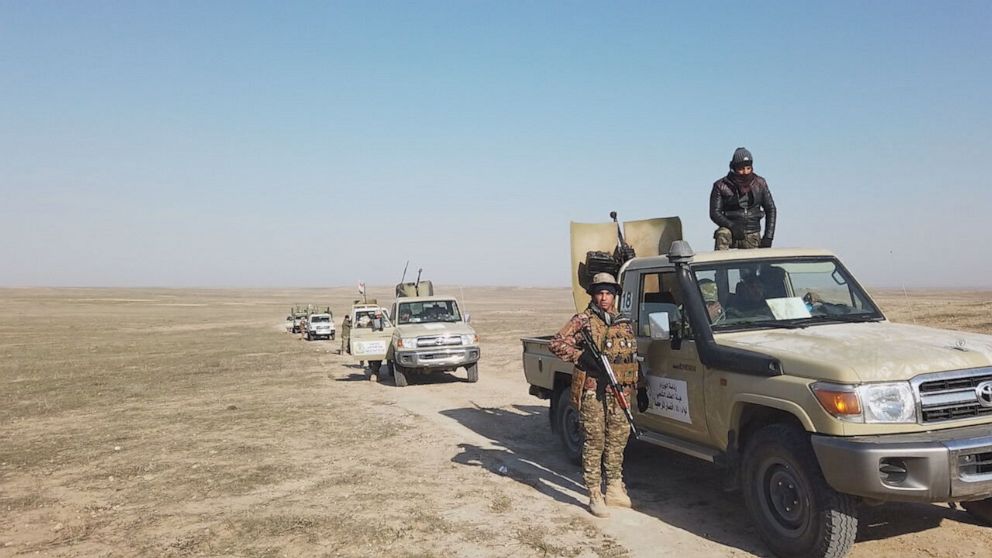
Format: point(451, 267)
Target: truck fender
point(742, 400)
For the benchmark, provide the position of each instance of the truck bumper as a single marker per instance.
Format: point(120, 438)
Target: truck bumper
point(938, 466)
point(439, 358)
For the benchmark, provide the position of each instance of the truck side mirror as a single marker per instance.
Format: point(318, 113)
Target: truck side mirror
point(659, 328)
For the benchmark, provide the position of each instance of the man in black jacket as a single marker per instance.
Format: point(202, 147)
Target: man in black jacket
point(738, 202)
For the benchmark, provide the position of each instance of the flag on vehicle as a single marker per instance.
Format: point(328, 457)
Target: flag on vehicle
point(361, 287)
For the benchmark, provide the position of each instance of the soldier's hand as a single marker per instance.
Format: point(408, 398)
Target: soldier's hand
point(591, 365)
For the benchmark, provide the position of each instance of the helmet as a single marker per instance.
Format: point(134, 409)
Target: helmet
point(742, 158)
point(603, 281)
point(708, 289)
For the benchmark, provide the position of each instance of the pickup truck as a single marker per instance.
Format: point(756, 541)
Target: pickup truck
point(777, 366)
point(319, 326)
point(368, 335)
point(431, 335)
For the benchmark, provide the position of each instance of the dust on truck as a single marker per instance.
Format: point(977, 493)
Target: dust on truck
point(806, 394)
point(431, 335)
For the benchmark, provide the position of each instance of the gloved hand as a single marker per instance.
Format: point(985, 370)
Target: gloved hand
point(591, 365)
point(765, 243)
point(737, 231)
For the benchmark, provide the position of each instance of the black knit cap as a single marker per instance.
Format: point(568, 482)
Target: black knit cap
point(742, 158)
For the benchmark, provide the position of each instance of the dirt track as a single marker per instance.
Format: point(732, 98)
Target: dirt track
point(158, 422)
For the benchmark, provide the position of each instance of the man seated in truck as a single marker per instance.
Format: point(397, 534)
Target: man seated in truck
point(707, 287)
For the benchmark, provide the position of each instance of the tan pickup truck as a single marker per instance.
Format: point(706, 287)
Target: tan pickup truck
point(366, 337)
point(777, 365)
point(431, 336)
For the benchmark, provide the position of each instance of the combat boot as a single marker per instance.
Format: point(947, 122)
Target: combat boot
point(616, 495)
point(597, 505)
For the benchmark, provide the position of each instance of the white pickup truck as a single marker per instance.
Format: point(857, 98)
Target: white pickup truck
point(319, 326)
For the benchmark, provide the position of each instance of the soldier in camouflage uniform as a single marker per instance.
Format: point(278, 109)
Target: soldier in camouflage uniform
point(345, 333)
point(603, 422)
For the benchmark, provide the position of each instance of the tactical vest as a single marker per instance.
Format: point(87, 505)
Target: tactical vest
point(618, 345)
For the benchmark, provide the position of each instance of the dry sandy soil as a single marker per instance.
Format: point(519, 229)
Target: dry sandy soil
point(188, 422)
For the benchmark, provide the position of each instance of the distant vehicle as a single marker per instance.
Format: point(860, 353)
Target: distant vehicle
point(431, 335)
point(368, 334)
point(319, 326)
point(295, 319)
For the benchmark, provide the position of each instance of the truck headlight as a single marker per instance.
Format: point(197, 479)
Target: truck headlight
point(470, 339)
point(888, 402)
point(867, 403)
point(406, 343)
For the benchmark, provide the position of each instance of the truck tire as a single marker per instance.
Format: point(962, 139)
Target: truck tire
point(796, 512)
point(569, 428)
point(980, 510)
point(399, 375)
point(473, 372)
point(309, 337)
point(331, 337)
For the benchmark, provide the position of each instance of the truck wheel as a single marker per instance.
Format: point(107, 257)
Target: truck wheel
point(795, 510)
point(980, 510)
point(331, 337)
point(309, 337)
point(473, 372)
point(399, 375)
point(569, 427)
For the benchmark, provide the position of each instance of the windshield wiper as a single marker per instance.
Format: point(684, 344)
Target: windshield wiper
point(847, 318)
point(796, 323)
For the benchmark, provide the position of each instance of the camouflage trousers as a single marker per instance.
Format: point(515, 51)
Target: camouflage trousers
point(724, 240)
point(606, 431)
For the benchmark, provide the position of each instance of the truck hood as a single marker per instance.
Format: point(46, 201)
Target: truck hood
point(866, 352)
point(435, 329)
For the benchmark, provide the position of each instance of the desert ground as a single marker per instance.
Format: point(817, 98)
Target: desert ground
point(155, 422)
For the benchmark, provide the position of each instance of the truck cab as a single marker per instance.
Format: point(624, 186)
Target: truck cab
point(432, 335)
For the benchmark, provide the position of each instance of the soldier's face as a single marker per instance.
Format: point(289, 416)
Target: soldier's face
point(603, 299)
point(744, 171)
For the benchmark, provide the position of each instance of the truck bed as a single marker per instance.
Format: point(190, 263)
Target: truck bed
point(542, 368)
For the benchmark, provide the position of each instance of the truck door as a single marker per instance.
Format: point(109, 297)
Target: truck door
point(672, 371)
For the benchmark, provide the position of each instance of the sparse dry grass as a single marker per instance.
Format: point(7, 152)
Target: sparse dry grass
point(185, 423)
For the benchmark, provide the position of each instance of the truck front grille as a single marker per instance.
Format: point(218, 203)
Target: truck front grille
point(952, 396)
point(439, 341)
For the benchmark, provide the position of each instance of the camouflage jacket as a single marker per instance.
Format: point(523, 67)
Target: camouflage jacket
point(616, 341)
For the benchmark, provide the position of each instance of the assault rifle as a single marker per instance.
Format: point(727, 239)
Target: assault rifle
point(611, 379)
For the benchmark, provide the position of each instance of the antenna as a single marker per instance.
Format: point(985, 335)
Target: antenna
point(404, 271)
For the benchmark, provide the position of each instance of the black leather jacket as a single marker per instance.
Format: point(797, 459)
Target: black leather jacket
point(728, 208)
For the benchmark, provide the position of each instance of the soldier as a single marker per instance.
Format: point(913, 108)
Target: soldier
point(603, 421)
point(738, 202)
point(345, 334)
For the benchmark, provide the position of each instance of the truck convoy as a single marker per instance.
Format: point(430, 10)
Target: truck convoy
point(777, 366)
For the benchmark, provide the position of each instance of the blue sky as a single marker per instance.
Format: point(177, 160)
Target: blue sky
point(322, 143)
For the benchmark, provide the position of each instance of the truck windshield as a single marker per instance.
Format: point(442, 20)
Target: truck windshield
point(782, 293)
point(428, 311)
point(319, 319)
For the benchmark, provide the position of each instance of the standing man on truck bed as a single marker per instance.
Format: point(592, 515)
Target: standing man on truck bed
point(738, 202)
point(603, 421)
